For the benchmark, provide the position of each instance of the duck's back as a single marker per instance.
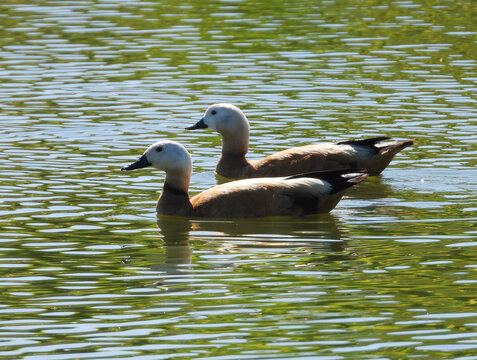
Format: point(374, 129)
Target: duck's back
point(310, 193)
point(309, 158)
point(367, 153)
point(260, 198)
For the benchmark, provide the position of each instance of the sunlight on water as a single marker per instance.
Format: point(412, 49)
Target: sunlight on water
point(87, 270)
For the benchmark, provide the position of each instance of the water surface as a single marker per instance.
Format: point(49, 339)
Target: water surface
point(89, 272)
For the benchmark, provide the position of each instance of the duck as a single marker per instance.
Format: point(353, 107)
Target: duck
point(373, 154)
point(297, 195)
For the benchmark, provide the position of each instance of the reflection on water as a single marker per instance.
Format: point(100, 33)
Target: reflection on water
point(89, 272)
point(316, 232)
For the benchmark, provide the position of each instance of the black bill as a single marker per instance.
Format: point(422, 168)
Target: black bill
point(140, 163)
point(199, 125)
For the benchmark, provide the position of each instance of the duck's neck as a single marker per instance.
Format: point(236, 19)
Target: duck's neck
point(178, 180)
point(235, 143)
point(174, 199)
point(232, 166)
point(234, 148)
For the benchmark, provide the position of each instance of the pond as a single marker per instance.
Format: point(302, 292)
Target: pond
point(89, 272)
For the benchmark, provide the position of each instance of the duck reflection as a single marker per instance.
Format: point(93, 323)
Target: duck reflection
point(322, 232)
point(175, 231)
point(315, 233)
point(267, 236)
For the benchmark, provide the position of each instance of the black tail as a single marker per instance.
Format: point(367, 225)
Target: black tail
point(371, 142)
point(395, 146)
point(338, 179)
point(365, 142)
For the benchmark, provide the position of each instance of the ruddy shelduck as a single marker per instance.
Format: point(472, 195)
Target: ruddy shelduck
point(372, 154)
point(303, 194)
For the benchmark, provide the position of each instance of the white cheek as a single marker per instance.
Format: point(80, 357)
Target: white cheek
point(210, 123)
point(153, 159)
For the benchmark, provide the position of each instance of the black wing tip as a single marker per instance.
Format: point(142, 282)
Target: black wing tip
point(397, 146)
point(347, 179)
point(365, 142)
point(323, 174)
point(357, 177)
point(338, 179)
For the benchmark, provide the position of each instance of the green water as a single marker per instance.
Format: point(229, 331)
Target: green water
point(89, 272)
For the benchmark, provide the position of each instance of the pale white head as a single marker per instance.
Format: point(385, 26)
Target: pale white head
point(169, 156)
point(223, 118)
point(229, 121)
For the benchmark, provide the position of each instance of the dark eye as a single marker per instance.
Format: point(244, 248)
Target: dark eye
point(213, 112)
point(159, 149)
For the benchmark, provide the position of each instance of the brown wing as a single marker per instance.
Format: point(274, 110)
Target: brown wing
point(230, 200)
point(297, 195)
point(310, 158)
point(265, 197)
point(365, 153)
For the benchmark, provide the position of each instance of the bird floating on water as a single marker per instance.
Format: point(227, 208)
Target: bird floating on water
point(310, 193)
point(372, 154)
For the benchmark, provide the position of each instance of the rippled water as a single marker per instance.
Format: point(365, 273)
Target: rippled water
point(88, 272)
